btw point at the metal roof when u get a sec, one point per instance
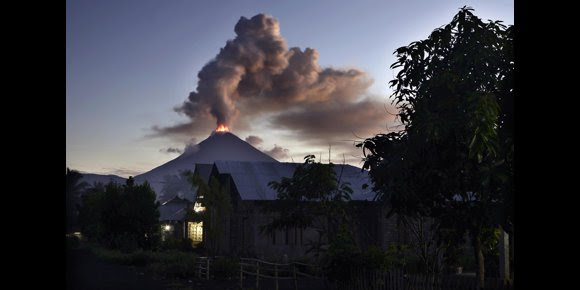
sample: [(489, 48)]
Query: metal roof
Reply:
[(252, 178), (173, 209), (204, 171)]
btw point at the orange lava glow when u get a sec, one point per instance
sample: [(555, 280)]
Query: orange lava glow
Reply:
[(222, 128)]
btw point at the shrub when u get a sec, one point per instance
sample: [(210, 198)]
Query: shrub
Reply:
[(225, 267), (72, 241), (173, 243)]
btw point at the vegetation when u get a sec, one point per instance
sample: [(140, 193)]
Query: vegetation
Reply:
[(168, 264), (121, 217), (453, 161), (315, 197), (217, 201), (74, 189)]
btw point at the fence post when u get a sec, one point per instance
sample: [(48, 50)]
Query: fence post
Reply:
[(241, 274), (276, 274), (294, 274), (257, 275), (198, 268), (207, 269)]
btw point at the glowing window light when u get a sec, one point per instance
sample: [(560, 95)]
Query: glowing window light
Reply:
[(198, 208)]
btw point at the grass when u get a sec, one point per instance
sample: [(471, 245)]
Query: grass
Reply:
[(167, 264)]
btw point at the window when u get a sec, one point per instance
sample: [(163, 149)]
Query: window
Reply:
[(197, 207), (195, 231)]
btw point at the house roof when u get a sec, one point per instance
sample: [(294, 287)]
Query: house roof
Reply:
[(252, 178), (204, 171), (173, 209)]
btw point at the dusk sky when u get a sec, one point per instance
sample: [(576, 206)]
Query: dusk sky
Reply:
[(131, 65)]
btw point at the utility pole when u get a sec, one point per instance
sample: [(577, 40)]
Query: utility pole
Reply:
[(329, 146)]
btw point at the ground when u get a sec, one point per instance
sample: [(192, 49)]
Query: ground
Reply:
[(85, 271)]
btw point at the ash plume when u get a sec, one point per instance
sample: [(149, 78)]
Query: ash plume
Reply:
[(257, 73)]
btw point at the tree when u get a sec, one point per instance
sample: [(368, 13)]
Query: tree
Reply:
[(215, 197), (314, 197), (123, 217), (74, 189), (453, 160)]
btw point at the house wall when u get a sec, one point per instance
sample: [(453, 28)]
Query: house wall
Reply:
[(243, 235)]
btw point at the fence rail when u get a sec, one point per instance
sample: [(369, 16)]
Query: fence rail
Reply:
[(276, 271), (397, 280)]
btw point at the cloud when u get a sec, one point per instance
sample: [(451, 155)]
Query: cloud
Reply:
[(122, 171), (170, 150), (254, 140), (278, 152), (331, 122)]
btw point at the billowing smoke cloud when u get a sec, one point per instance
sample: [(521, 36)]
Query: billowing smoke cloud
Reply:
[(170, 150), (332, 120), (254, 140), (278, 152), (257, 73)]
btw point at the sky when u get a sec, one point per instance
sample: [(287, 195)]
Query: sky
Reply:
[(131, 66)]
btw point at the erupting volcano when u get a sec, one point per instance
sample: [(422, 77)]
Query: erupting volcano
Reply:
[(222, 128), (220, 145)]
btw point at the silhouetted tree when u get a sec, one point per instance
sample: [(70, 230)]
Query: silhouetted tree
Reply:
[(74, 189), (313, 197), (454, 159), (123, 217), (215, 197)]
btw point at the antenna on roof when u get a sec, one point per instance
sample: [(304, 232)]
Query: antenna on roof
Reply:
[(329, 146)]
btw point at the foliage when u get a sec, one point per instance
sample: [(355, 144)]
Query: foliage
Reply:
[(344, 259), (424, 245), (180, 244), (454, 159), (215, 197), (170, 264), (225, 267), (74, 189), (314, 197), (72, 241), (121, 217)]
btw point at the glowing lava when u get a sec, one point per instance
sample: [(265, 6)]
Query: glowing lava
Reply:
[(222, 128)]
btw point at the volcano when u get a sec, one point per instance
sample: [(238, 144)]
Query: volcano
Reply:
[(166, 179)]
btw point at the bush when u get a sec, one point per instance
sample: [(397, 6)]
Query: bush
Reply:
[(173, 243), (342, 264), (225, 267), (72, 241), (173, 264)]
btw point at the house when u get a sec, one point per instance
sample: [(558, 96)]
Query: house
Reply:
[(246, 184)]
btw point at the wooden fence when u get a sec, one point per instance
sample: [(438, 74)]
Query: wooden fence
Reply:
[(202, 267), (397, 280), (276, 271)]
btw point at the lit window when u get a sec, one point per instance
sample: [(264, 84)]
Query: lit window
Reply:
[(195, 232), (198, 208)]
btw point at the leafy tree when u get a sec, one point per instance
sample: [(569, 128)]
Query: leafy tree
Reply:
[(74, 189), (454, 158), (215, 197), (124, 217), (314, 197)]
